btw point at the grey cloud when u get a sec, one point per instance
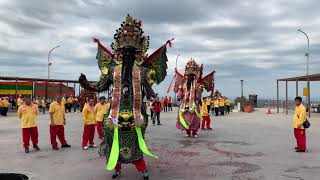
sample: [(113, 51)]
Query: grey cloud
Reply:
[(254, 40)]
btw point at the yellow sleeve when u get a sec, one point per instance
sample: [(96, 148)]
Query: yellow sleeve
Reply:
[(95, 109), (51, 109), (302, 115), (19, 113), (84, 115)]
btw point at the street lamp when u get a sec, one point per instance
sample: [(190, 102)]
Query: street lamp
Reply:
[(308, 81), (241, 95), (49, 64)]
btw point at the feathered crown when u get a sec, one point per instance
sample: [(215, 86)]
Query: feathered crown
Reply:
[(130, 34), (192, 67)]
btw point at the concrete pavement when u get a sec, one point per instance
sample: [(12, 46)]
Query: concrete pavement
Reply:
[(253, 146)]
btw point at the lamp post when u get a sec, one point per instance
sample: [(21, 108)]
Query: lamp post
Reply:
[(49, 64), (308, 80), (241, 95)]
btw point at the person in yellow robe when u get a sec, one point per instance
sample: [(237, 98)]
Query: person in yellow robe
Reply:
[(88, 117), (99, 110), (228, 103), (57, 123), (298, 119), (208, 103), (5, 106), (216, 106), (69, 103), (27, 114), (221, 105), (43, 105)]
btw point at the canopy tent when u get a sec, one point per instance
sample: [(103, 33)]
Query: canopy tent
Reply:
[(307, 78)]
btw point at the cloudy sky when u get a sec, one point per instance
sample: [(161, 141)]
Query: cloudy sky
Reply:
[(245, 39)]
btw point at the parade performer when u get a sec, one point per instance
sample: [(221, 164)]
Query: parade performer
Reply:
[(100, 109), (27, 113), (189, 88), (130, 73), (57, 123), (88, 117), (205, 115)]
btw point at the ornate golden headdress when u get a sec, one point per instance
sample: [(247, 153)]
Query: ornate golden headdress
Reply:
[(192, 68), (130, 34)]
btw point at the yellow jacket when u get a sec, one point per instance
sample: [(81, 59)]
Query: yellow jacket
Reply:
[(57, 111), (221, 102), (28, 116), (100, 110), (216, 103), (204, 109), (5, 103), (299, 116), (88, 116)]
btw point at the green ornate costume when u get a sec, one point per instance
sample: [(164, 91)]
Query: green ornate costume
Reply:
[(129, 74)]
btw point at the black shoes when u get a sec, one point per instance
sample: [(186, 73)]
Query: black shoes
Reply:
[(296, 148), (159, 124), (115, 175), (203, 129), (66, 146), (209, 128), (36, 147), (55, 148), (26, 150), (300, 150)]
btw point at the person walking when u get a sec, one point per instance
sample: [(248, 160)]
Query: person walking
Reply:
[(205, 115), (166, 102), (43, 105), (157, 108), (298, 120), (170, 101), (221, 105), (216, 106), (228, 103), (150, 106), (27, 114), (5, 106)]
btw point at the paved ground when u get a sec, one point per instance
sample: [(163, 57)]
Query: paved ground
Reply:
[(242, 146)]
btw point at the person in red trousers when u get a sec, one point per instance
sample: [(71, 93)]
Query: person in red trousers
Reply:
[(140, 165), (298, 120), (89, 125), (57, 123), (99, 110), (27, 113), (205, 115)]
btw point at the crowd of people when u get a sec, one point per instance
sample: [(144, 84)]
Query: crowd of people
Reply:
[(92, 115), (218, 105), (157, 105)]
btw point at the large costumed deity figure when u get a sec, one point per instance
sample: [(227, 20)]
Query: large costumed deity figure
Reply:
[(189, 88), (129, 74)]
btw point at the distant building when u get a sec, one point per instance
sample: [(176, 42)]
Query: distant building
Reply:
[(9, 88)]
